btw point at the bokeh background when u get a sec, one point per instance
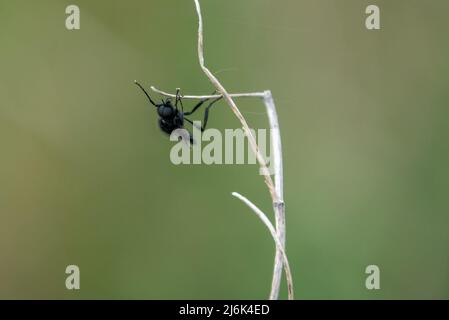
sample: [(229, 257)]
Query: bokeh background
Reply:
[(85, 176)]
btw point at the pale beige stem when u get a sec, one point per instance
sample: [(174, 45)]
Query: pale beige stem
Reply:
[(276, 190)]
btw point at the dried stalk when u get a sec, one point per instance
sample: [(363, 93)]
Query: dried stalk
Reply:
[(231, 103), (276, 192), (278, 205), (214, 96), (274, 234), (276, 188)]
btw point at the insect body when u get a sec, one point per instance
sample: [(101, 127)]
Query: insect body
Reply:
[(171, 118)]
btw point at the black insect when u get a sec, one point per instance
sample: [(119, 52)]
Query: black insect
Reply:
[(171, 118)]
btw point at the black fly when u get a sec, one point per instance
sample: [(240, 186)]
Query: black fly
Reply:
[(171, 118)]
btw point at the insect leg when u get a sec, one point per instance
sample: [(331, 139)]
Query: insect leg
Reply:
[(206, 113), (146, 93), (195, 107), (198, 105), (178, 98), (194, 125)]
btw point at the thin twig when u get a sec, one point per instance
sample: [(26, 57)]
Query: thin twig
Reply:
[(276, 191), (276, 188), (278, 206), (231, 103), (274, 234), (233, 95)]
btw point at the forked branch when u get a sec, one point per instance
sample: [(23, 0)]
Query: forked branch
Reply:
[(275, 188), (277, 241), (275, 191)]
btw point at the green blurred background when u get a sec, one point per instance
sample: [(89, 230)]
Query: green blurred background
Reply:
[(85, 176)]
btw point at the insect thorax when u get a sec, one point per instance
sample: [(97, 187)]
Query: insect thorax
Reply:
[(166, 111)]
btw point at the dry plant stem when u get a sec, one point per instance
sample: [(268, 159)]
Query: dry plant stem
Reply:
[(275, 189), (278, 207), (232, 95), (231, 103), (275, 236), (276, 192)]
